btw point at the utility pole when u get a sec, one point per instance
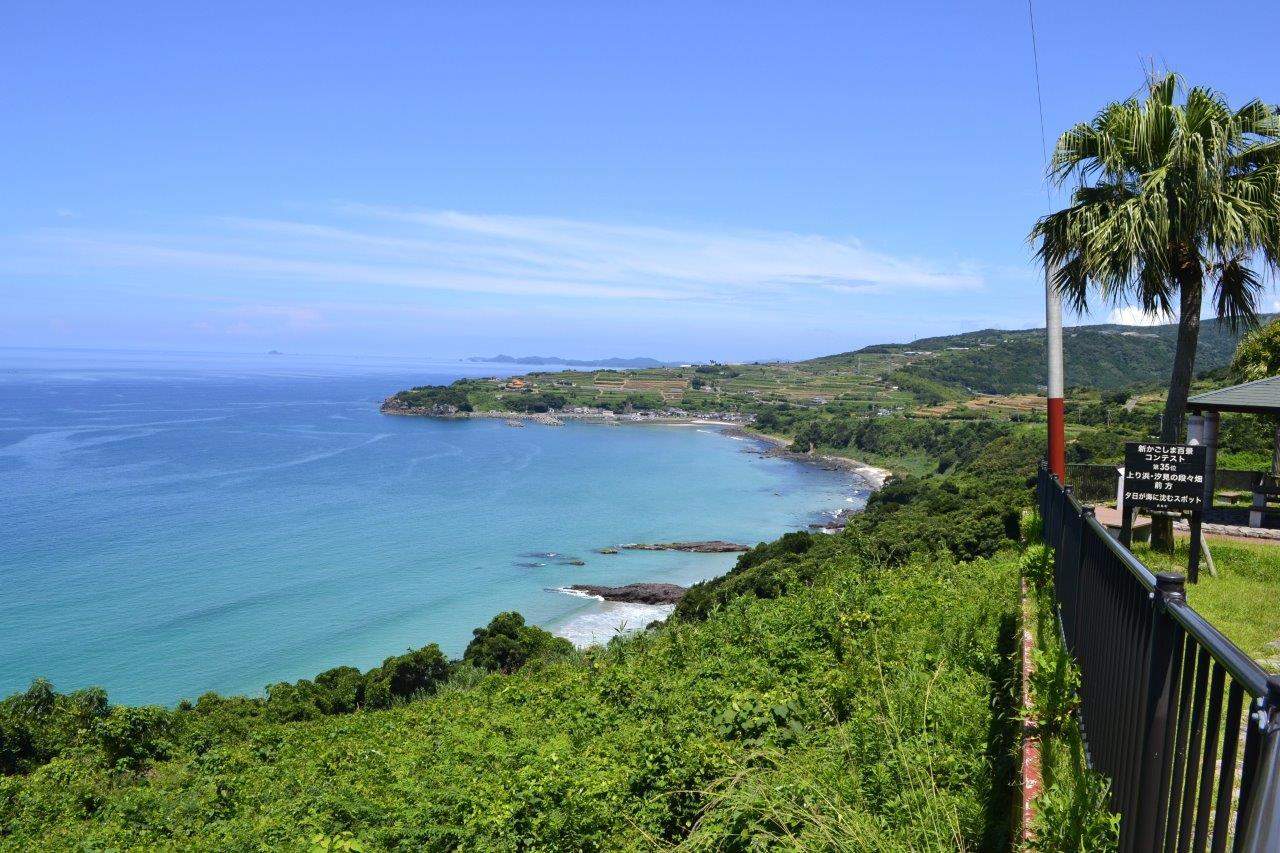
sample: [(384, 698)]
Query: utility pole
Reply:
[(1053, 329)]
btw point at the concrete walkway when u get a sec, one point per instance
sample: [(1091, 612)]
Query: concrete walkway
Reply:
[(1236, 530)]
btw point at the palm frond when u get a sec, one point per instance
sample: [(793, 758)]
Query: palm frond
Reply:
[(1165, 190), (1236, 292)]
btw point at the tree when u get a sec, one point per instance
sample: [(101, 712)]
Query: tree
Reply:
[(402, 676), (507, 644), (1170, 198), (1258, 355)]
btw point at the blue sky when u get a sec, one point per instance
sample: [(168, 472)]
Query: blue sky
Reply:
[(679, 180)]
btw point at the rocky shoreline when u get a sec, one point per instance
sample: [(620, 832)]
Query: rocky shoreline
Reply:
[(635, 593), (711, 546), (780, 449), (393, 406)]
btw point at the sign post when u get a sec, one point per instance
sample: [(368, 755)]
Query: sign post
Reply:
[(1166, 478)]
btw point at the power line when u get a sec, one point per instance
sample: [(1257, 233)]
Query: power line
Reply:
[(1044, 145), (1054, 403)]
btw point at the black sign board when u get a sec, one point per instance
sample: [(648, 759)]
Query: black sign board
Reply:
[(1164, 476)]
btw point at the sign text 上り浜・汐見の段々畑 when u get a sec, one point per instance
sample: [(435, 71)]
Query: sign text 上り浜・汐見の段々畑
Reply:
[(1164, 476)]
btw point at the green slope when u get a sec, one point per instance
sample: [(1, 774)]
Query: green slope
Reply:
[(861, 713), (1107, 356)]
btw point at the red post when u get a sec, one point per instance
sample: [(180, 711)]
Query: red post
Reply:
[(1057, 439), (1053, 334)]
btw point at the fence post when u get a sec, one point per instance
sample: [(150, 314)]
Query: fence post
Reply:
[(1042, 500), (1262, 824), (1086, 513), (1067, 490), (1153, 760)]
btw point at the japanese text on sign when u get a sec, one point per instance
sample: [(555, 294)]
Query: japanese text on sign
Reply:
[(1164, 476)]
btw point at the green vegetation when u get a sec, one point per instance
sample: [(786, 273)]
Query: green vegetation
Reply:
[(1072, 811), (885, 378), (1240, 601), (508, 644), (866, 707), (428, 396), (1099, 357), (41, 725), (1258, 355)]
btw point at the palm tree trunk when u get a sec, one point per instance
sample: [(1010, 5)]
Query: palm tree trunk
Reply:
[(1190, 293), (1184, 362)]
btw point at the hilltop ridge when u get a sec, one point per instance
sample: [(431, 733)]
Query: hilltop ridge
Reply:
[(638, 362), (1105, 356)]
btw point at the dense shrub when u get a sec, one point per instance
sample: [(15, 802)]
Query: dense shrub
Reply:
[(427, 396), (507, 644)]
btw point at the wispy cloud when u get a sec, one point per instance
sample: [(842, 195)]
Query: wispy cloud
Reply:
[(490, 254), (1132, 315)]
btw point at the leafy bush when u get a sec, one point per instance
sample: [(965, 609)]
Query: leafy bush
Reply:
[(508, 644), (1076, 819), (1055, 684), (1037, 566), (404, 676)]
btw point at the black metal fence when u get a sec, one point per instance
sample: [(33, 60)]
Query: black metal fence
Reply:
[(1184, 724)]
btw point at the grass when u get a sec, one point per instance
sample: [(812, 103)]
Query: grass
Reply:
[(1241, 600)]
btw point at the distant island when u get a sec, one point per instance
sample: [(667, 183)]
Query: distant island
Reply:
[(574, 362)]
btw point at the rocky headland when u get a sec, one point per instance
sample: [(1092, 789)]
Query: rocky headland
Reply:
[(635, 593)]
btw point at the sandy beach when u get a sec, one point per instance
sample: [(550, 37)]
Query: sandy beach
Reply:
[(875, 477)]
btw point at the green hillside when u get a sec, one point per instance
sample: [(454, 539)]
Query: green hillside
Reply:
[(858, 708), (1102, 357)]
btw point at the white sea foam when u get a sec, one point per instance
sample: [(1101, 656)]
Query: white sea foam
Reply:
[(578, 593), (599, 623)]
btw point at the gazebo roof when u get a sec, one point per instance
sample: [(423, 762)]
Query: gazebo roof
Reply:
[(1260, 398)]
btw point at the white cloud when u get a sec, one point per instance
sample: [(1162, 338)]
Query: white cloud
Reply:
[(527, 256), (1132, 315)]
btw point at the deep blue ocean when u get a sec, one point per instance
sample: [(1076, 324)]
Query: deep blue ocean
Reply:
[(176, 523)]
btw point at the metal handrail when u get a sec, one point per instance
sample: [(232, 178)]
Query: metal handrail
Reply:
[(1144, 575), (1242, 668), (1158, 713)]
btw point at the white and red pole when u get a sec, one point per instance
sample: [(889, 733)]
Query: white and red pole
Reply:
[(1057, 421)]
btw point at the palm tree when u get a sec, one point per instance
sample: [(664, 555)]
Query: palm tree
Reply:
[(1169, 198)]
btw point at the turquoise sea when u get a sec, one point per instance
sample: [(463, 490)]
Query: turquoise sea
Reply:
[(177, 523)]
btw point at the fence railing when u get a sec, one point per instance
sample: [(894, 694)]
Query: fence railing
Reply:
[(1184, 724)]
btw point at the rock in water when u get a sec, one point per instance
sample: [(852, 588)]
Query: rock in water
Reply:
[(711, 546), (636, 593)]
